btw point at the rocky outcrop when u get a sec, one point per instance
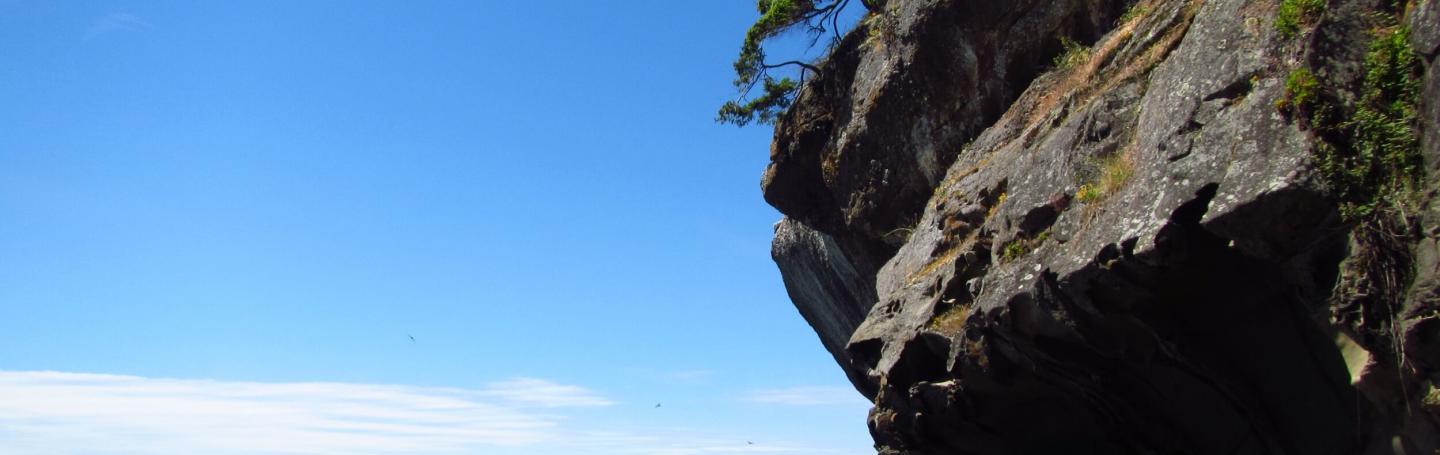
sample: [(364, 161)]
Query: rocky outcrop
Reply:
[(1136, 251), (824, 285), (859, 155)]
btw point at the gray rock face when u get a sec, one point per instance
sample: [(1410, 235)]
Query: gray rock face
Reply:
[(823, 284), (1135, 254), (844, 163)]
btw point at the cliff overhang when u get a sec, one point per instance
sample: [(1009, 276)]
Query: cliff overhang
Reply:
[(1105, 227)]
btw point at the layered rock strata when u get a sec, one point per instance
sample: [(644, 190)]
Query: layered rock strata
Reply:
[(1132, 248)]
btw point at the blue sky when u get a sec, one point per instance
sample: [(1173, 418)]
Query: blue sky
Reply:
[(223, 220)]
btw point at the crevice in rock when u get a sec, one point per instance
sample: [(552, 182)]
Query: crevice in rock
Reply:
[(1187, 312), (865, 356), (1153, 355), (923, 360), (1239, 88)]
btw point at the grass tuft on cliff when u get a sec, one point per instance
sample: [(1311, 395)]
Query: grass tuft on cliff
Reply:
[(1113, 171), (1296, 13), (1072, 54), (1021, 246), (1302, 90), (1382, 166)]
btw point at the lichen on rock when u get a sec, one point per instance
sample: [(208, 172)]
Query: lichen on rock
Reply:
[(1138, 251)]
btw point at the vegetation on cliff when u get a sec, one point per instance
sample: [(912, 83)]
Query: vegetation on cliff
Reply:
[(1215, 246), (1370, 151), (752, 69)]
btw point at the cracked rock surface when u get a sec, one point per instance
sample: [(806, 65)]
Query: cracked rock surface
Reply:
[(1133, 254)]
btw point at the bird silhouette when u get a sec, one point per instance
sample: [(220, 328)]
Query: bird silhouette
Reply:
[(412, 338), (748, 443), (657, 405)]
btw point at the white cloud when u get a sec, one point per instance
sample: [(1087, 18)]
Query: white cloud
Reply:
[(50, 412), (621, 443), (55, 413), (808, 396), (542, 393), (115, 22)]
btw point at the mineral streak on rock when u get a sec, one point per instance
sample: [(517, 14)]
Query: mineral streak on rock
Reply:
[(1137, 253)]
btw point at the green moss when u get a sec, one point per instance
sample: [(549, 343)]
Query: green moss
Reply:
[(1381, 165), (1012, 250), (1134, 12), (1302, 90), (1296, 13), (879, 28), (1072, 54), (1022, 245)]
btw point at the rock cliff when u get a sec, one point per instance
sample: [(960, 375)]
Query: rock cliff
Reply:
[(1106, 226)]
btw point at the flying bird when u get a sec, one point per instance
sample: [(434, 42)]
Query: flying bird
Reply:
[(657, 405), (412, 337)]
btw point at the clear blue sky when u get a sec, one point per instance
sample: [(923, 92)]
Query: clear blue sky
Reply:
[(242, 209)]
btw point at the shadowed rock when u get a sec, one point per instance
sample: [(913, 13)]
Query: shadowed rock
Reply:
[(1135, 254)]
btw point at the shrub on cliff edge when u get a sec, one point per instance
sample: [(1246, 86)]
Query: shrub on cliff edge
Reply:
[(752, 69)]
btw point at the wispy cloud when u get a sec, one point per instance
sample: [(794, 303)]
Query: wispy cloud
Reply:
[(808, 396), (621, 443), (543, 393), (55, 413), (50, 412), (115, 22)]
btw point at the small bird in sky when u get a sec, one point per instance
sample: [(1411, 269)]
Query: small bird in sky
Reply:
[(412, 337), (657, 405), (748, 443)]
